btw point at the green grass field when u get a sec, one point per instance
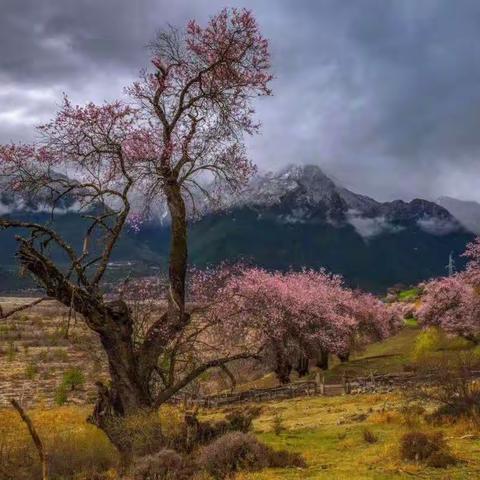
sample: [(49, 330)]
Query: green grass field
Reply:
[(327, 431), (323, 430)]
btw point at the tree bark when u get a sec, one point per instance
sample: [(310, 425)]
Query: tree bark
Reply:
[(283, 368), (178, 251), (302, 367), (129, 392), (322, 360)]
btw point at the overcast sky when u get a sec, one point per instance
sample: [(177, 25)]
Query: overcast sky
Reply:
[(384, 95)]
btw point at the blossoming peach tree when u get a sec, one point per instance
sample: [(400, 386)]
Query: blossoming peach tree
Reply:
[(293, 318), (453, 303), (189, 114)]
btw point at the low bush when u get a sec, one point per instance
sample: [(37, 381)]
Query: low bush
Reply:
[(73, 378), (195, 432), (61, 395), (369, 436), (285, 459), (428, 448), (451, 386), (237, 451), (241, 419), (428, 341), (419, 446), (163, 465), (278, 426), (142, 432), (441, 459), (412, 414)]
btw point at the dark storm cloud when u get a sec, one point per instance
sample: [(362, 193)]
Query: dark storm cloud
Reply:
[(384, 94)]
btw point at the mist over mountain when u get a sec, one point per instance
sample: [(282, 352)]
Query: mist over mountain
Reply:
[(294, 218), (306, 194), (467, 212)]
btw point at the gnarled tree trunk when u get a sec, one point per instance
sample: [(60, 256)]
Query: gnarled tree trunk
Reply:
[(128, 393)]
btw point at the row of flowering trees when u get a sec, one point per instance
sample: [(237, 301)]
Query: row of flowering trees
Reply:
[(453, 303), (293, 318)]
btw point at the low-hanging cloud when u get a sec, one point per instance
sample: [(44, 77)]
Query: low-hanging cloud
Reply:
[(382, 94), (19, 205), (369, 227), (438, 226)]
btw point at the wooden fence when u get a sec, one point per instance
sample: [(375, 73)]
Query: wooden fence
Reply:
[(348, 385)]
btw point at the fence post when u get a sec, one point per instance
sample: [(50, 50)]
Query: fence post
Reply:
[(346, 384)]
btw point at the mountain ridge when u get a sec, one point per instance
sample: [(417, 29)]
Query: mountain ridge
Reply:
[(295, 218), (306, 188)]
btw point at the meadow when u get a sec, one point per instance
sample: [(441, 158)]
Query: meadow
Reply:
[(328, 431), (340, 437)]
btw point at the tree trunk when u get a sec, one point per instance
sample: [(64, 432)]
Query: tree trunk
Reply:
[(128, 393), (283, 369), (322, 360), (178, 252), (344, 357), (302, 367)]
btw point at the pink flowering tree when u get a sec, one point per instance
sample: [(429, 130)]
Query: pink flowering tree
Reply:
[(374, 321), (186, 125), (295, 317), (452, 304)]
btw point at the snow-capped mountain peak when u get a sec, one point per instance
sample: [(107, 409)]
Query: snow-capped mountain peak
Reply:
[(304, 193)]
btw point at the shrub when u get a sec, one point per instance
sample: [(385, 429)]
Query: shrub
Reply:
[(411, 414), (441, 459), (61, 395), (197, 433), (59, 355), (278, 426), (284, 459), (142, 432), (451, 386), (429, 448), (73, 378), (369, 436), (164, 465), (241, 420), (237, 451), (427, 342)]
